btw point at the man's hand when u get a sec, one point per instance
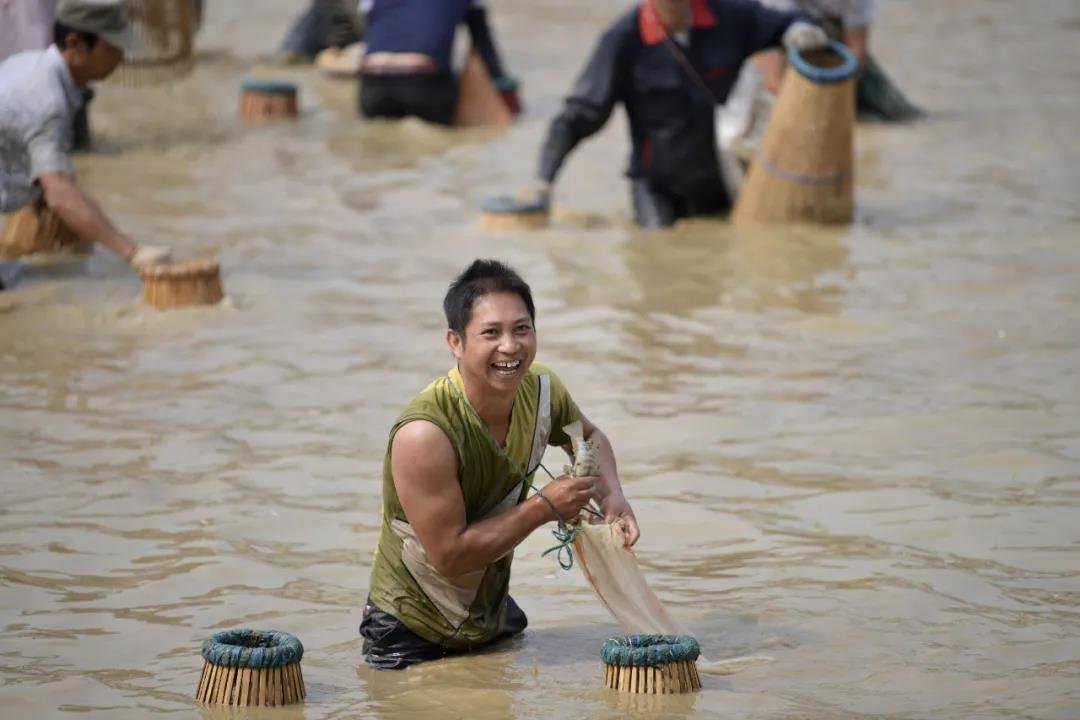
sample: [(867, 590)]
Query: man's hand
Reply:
[(150, 255), (617, 510), (804, 36), (569, 494)]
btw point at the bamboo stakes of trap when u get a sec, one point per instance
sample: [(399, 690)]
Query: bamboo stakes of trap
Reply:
[(196, 282), (37, 229), (251, 668), (263, 101), (164, 32), (667, 679), (804, 170)]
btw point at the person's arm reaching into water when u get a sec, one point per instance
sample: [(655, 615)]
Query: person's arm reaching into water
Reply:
[(424, 466), (85, 218), (585, 111)]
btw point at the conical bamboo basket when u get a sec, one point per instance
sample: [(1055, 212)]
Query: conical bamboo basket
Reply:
[(36, 229), (164, 33), (669, 679), (196, 282), (804, 171), (263, 101), (269, 686)]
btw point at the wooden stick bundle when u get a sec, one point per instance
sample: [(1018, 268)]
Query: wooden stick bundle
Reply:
[(668, 679), (269, 686)]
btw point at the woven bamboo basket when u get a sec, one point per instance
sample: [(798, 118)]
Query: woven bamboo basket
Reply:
[(479, 102), (164, 33), (36, 229), (197, 282), (651, 664), (804, 170), (251, 667), (263, 101)]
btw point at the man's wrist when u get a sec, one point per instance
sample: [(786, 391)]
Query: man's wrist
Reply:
[(554, 511)]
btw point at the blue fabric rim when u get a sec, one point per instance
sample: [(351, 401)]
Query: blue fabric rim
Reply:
[(274, 87), (649, 650), (822, 75), (252, 648)]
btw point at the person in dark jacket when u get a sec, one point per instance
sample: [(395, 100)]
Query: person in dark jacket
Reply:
[(407, 63), (670, 63)]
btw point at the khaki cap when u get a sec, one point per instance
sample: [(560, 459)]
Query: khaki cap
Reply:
[(105, 18)]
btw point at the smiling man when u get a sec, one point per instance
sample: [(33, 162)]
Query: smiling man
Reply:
[(456, 478)]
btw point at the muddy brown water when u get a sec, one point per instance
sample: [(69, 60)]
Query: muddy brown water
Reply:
[(854, 451)]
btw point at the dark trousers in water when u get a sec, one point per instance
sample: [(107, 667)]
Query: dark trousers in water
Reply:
[(655, 207), (389, 645), (428, 96)]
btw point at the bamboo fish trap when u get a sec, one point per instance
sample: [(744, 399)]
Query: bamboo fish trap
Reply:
[(164, 32), (651, 664), (804, 170), (264, 101), (251, 667), (37, 229), (196, 282)]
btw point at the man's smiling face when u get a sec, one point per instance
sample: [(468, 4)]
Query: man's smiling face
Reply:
[(499, 344)]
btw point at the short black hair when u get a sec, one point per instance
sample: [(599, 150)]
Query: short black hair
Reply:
[(61, 31), (482, 278)]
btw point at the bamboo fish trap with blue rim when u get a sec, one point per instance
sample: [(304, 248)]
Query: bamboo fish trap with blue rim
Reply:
[(164, 32), (251, 667), (651, 664), (804, 170)]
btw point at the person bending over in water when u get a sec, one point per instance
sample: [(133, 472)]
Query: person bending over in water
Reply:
[(456, 476), (40, 92), (670, 63), (406, 69)]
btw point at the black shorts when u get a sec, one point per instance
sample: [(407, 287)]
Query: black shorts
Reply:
[(428, 96), (389, 645)]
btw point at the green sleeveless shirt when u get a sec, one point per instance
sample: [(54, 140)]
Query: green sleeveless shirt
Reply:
[(466, 611)]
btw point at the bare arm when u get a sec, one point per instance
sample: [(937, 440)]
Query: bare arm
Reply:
[(609, 491), (425, 477), (82, 214), (770, 63)]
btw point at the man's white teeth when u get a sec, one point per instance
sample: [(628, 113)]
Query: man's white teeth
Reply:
[(507, 365)]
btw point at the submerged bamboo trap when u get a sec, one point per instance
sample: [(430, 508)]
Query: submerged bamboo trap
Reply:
[(804, 170), (37, 229), (164, 32), (651, 664), (251, 667), (196, 282), (267, 101)]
